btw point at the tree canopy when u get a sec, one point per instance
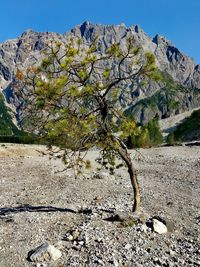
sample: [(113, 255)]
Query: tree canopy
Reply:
[(72, 99)]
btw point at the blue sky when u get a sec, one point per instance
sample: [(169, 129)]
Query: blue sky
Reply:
[(178, 20)]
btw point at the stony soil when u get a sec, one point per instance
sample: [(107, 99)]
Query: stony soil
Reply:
[(39, 204)]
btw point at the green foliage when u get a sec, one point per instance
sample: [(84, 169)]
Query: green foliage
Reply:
[(74, 97), (106, 73), (22, 139), (128, 127), (114, 50), (9, 132), (164, 101), (72, 101), (148, 136), (171, 139), (129, 223), (140, 140), (155, 135), (7, 127), (188, 130)]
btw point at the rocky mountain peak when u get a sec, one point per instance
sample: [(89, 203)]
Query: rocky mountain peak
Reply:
[(161, 40), (25, 51), (107, 33), (28, 32)]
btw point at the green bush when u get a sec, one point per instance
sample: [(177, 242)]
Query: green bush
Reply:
[(149, 135), (21, 139), (171, 139), (155, 135)]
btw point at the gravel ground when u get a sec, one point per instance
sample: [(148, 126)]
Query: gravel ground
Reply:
[(39, 204)]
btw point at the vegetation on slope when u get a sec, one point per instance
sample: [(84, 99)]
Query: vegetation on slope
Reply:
[(7, 127), (172, 99), (188, 130), (9, 132)]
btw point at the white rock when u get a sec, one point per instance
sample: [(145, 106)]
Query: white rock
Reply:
[(115, 261), (103, 175), (172, 253), (128, 246), (61, 244), (159, 227), (45, 252), (144, 228), (70, 238)]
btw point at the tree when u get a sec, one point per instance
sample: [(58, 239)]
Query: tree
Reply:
[(155, 135), (72, 98), (171, 139), (139, 140), (148, 135)]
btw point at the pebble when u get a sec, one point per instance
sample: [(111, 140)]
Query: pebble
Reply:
[(128, 246)]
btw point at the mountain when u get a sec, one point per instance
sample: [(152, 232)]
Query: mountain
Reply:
[(7, 125), (179, 92)]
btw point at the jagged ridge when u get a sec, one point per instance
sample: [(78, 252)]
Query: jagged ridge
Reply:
[(25, 50)]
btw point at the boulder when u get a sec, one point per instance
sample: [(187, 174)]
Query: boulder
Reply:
[(159, 227), (45, 252)]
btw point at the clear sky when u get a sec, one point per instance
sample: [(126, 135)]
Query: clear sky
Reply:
[(178, 20)]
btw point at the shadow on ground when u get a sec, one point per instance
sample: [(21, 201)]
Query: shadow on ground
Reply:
[(29, 208)]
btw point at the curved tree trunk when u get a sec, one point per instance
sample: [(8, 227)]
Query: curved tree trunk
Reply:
[(133, 176), (135, 185)]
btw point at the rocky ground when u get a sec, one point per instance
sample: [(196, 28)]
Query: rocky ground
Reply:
[(89, 220)]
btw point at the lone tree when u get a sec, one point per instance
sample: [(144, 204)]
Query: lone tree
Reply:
[(72, 99)]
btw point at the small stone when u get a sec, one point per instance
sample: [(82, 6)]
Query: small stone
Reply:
[(98, 240), (128, 246), (159, 227), (70, 238), (144, 228), (45, 252), (75, 234), (171, 252), (115, 261), (97, 198), (103, 175), (61, 244)]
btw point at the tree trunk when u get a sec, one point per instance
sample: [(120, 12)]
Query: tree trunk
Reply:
[(133, 176), (135, 185)]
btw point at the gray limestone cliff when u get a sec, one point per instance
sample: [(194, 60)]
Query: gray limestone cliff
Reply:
[(180, 92)]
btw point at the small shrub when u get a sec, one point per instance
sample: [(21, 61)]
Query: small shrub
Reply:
[(171, 139), (128, 223), (149, 135)]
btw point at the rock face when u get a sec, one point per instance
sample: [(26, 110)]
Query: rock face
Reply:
[(177, 67), (181, 67)]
